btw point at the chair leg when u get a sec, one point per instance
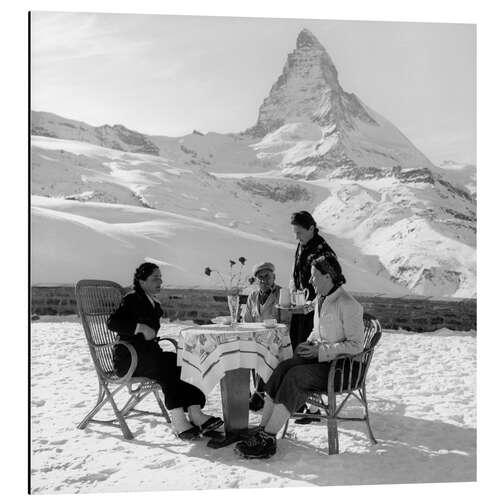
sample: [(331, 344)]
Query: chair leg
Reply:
[(333, 432), (99, 404), (127, 434), (161, 404), (136, 397), (130, 405), (367, 418), (254, 379), (285, 428)]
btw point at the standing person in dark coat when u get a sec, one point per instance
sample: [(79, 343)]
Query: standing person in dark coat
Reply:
[(310, 247), (137, 321)]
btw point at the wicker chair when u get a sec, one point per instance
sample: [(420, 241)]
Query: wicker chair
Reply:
[(352, 385), (96, 300)]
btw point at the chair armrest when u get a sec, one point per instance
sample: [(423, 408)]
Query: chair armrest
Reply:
[(172, 341), (133, 362), (337, 365), (353, 357), (98, 346)]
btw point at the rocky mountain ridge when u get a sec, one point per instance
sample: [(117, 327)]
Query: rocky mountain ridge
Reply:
[(116, 137)]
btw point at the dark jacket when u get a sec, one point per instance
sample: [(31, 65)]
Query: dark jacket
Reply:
[(134, 308), (314, 248)]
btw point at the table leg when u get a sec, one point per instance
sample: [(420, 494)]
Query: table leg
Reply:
[(235, 389)]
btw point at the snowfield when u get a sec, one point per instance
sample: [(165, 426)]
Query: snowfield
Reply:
[(73, 240), (422, 397), (406, 237)]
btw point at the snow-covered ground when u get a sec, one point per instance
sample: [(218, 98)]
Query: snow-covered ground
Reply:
[(422, 397)]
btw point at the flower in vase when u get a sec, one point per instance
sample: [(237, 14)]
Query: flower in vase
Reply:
[(233, 282)]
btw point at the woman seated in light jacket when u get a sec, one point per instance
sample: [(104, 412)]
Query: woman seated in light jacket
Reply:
[(338, 329)]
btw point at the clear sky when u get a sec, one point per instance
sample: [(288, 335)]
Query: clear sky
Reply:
[(168, 75)]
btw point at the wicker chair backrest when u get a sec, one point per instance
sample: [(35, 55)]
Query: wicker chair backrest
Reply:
[(96, 300), (373, 332)]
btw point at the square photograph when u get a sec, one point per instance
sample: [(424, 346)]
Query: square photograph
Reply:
[(252, 252)]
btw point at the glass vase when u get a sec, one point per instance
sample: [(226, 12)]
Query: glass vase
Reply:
[(233, 301)]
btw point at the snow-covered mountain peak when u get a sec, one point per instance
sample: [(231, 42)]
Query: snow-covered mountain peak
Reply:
[(308, 91), (307, 40)]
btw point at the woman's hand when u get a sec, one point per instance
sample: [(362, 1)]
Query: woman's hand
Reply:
[(307, 350), (309, 307), (147, 331)]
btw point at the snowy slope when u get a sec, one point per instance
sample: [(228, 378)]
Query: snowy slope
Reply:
[(74, 240), (116, 136), (62, 168), (369, 215), (462, 174), (215, 152), (423, 234)]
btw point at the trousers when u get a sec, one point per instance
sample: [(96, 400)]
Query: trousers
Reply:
[(162, 367), (293, 379)]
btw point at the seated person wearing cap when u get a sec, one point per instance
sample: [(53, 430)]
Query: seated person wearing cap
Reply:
[(260, 306)]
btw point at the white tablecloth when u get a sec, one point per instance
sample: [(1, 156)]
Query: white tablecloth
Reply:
[(205, 353)]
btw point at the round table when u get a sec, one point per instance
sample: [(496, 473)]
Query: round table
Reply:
[(210, 354)]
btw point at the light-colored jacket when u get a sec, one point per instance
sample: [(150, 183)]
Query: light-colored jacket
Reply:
[(256, 312), (339, 328)]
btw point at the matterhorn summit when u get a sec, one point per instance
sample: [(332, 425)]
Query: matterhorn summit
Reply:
[(307, 102)]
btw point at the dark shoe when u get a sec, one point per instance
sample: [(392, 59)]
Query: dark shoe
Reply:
[(210, 425), (256, 402), (308, 420), (189, 435), (260, 445)]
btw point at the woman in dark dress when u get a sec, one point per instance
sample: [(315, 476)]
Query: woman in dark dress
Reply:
[(137, 321)]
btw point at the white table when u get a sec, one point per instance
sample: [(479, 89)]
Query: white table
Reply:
[(210, 354)]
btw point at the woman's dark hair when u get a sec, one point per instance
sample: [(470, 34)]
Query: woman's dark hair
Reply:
[(143, 272), (303, 219), (328, 264)]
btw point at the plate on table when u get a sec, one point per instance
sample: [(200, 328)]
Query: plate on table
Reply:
[(221, 320)]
